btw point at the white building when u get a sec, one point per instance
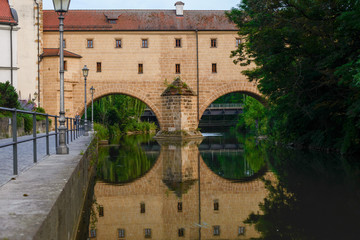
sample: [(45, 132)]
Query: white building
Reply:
[(29, 46), (8, 44)]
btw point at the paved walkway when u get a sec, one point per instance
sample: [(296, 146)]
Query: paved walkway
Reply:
[(25, 155)]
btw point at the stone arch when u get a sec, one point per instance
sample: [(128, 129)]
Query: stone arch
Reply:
[(241, 86), (105, 90)]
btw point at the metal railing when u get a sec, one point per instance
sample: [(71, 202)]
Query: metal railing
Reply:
[(225, 105), (75, 129)]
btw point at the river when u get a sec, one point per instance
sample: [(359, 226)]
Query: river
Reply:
[(225, 186)]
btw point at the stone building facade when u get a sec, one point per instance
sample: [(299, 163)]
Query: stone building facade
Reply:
[(136, 52)]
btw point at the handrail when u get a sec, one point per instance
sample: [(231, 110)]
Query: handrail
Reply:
[(76, 130)]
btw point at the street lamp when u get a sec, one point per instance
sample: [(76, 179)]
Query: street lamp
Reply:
[(61, 7), (85, 71), (92, 90)]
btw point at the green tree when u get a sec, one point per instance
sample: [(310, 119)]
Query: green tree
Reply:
[(307, 60), (8, 96)]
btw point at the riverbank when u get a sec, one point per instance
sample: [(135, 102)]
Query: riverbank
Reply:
[(46, 201)]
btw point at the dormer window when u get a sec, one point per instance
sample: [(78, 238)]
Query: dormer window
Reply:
[(111, 17)]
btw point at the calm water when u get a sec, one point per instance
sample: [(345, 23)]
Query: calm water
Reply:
[(227, 186)]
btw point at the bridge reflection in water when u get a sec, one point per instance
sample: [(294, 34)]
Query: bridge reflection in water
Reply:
[(179, 197)]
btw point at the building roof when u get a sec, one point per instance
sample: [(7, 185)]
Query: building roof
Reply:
[(5, 13), (139, 20), (53, 52)]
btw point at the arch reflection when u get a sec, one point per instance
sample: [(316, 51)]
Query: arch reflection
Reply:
[(177, 196)]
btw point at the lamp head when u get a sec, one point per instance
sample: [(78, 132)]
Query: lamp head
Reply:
[(85, 71), (61, 6), (92, 90)]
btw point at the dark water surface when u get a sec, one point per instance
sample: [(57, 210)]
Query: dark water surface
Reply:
[(225, 186)]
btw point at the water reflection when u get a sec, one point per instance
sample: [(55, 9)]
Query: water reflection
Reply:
[(178, 195)]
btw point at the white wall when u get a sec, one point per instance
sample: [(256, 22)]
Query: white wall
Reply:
[(5, 60), (27, 47)]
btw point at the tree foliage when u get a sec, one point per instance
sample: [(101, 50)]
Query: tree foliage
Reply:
[(8, 96), (120, 112), (307, 56)]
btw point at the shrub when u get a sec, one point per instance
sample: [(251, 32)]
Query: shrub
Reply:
[(8, 96)]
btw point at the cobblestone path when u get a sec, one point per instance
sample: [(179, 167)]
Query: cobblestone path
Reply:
[(25, 155)]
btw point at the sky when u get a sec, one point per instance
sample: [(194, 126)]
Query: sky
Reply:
[(148, 4)]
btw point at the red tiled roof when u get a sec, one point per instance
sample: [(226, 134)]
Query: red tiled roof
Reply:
[(5, 13), (139, 20), (52, 52)]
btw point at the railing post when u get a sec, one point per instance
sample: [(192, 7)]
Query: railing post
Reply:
[(47, 135), (71, 129), (56, 132), (34, 140), (14, 133), (67, 130)]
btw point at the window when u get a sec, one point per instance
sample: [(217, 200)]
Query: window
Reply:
[(178, 42), (65, 65), (241, 231), (145, 43), (92, 233), (121, 233), (98, 67), (90, 43), (216, 205), (177, 68), (64, 43), (118, 43), (179, 206), (238, 42), (140, 71), (213, 43), (112, 21), (181, 232), (216, 230), (147, 233), (214, 70), (101, 211)]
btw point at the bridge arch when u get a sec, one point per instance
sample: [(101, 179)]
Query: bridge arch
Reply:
[(106, 90), (247, 88)]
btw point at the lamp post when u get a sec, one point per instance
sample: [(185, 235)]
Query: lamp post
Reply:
[(61, 7), (92, 90), (85, 71)]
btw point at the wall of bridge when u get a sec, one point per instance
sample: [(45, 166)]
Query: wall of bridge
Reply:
[(119, 73)]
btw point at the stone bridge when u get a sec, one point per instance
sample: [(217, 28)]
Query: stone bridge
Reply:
[(138, 61)]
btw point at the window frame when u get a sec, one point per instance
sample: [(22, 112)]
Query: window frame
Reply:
[(180, 206), (98, 67), (177, 68), (147, 232), (122, 236), (101, 210), (117, 41), (216, 205), (141, 70), (92, 233), (238, 42), (64, 43), (89, 41), (241, 231), (216, 230), (178, 40), (146, 41), (181, 232), (213, 43), (214, 68)]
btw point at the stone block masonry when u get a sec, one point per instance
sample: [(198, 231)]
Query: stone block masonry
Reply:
[(46, 201)]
